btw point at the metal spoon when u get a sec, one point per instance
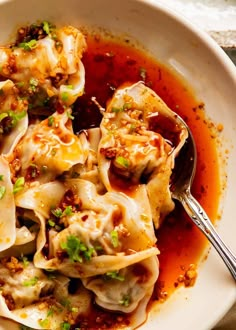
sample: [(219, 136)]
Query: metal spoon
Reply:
[(182, 178)]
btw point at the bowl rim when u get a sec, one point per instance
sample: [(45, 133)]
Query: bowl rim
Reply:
[(211, 45)]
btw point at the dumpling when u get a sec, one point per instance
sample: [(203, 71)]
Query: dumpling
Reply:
[(49, 148), (134, 147), (46, 58), (106, 232), (124, 289), (38, 299)]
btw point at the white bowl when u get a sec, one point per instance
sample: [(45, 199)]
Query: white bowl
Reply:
[(178, 44)]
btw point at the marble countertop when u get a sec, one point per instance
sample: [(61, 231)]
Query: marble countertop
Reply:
[(216, 17)]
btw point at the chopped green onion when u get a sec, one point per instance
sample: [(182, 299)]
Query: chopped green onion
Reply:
[(65, 326), (1, 177), (25, 261), (31, 282), (33, 82), (2, 191), (125, 301), (18, 185), (32, 44), (116, 110), (114, 238), (69, 115), (50, 312), (68, 210), (64, 96), (57, 212), (76, 249), (75, 309), (127, 106), (51, 120), (122, 161), (114, 275), (51, 223), (44, 323), (46, 27), (15, 116)]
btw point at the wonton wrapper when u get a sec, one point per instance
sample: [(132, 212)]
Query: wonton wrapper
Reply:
[(41, 198)]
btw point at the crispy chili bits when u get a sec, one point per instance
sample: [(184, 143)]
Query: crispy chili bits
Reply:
[(12, 264), (71, 199)]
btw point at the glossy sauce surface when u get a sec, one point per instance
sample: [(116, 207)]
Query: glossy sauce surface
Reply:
[(108, 65)]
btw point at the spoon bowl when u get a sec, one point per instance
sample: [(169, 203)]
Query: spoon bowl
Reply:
[(181, 182)]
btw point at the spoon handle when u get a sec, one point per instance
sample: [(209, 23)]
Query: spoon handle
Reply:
[(200, 218)]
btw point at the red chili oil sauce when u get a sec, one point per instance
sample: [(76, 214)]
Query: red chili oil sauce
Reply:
[(109, 64)]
